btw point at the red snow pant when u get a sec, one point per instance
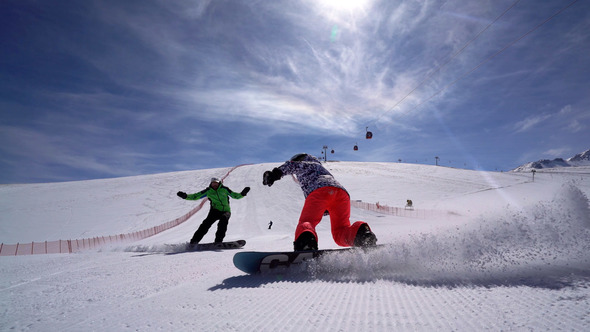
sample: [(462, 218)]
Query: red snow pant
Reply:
[(337, 202)]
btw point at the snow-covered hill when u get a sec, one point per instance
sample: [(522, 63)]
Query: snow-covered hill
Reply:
[(581, 159), (505, 253)]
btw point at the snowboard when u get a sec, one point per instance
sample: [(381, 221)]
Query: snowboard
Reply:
[(253, 262), (218, 245), (184, 247)]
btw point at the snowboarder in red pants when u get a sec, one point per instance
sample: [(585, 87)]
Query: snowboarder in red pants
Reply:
[(322, 194)]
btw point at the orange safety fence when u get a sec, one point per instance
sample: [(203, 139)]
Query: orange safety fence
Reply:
[(71, 246), (408, 212)]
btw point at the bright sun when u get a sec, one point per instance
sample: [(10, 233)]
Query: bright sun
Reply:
[(344, 5)]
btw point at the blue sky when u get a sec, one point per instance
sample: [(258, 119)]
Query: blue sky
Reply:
[(100, 89)]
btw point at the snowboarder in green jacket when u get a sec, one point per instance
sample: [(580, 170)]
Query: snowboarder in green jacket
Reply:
[(218, 195)]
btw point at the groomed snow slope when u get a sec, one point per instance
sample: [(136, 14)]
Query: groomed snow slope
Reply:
[(505, 253)]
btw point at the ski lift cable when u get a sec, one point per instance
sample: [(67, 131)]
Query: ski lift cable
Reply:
[(477, 66), (439, 68), (490, 57)]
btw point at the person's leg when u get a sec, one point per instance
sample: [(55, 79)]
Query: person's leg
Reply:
[(222, 226), (312, 212), (339, 208), (205, 225)]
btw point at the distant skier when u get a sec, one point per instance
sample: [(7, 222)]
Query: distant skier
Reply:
[(270, 224), (322, 194), (218, 195)]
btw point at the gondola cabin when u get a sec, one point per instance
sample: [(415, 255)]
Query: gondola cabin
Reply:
[(356, 147), (369, 134)]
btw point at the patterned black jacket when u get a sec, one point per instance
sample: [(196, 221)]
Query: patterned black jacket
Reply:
[(310, 173)]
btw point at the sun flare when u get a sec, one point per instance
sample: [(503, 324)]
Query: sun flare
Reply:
[(344, 5)]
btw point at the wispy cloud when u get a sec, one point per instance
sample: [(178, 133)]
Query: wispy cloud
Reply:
[(113, 88), (566, 119), (557, 153), (530, 122), (54, 150)]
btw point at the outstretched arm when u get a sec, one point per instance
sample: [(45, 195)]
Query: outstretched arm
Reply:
[(239, 195), (192, 197), (269, 177)]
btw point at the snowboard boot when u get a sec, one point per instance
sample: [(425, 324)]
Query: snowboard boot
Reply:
[(364, 237), (305, 241)]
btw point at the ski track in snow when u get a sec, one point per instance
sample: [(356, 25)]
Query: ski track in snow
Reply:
[(523, 266)]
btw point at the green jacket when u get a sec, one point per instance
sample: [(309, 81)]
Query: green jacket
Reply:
[(219, 198)]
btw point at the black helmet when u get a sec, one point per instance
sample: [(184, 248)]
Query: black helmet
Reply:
[(299, 157)]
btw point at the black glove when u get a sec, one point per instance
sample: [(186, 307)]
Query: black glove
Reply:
[(245, 191), (181, 194), (268, 178)]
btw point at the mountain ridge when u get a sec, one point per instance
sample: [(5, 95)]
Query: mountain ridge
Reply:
[(580, 159)]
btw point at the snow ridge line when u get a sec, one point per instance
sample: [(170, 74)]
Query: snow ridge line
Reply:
[(71, 246)]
